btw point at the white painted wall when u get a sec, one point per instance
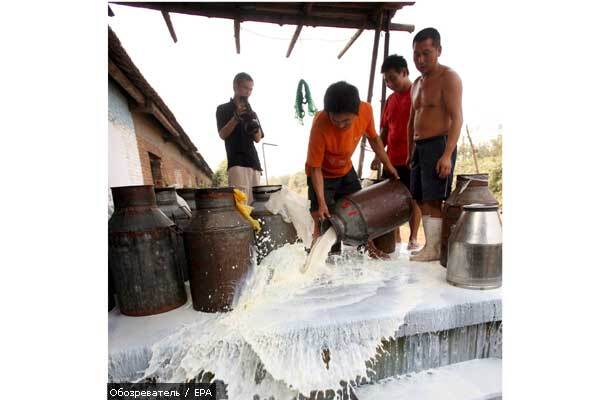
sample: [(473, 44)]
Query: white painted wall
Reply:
[(124, 166)]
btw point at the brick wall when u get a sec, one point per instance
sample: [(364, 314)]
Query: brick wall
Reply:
[(176, 168)]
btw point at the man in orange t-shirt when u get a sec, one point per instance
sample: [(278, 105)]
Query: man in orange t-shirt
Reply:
[(334, 135)]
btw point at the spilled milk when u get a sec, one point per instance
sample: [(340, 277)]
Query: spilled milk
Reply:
[(297, 325), (320, 249)]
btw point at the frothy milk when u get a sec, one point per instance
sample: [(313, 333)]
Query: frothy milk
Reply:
[(320, 250)]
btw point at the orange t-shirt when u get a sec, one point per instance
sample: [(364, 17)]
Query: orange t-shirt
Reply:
[(331, 148)]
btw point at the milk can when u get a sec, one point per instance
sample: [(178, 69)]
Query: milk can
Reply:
[(142, 257), (275, 232), (475, 248), (386, 242), (218, 245), (189, 195), (470, 189), (371, 212), (166, 199)]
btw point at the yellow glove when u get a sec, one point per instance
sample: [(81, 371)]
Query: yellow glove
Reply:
[(244, 209)]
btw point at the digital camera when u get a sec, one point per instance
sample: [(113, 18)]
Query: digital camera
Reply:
[(248, 118)]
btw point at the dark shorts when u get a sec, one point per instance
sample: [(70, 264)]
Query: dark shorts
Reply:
[(425, 184), (334, 189), (404, 173)]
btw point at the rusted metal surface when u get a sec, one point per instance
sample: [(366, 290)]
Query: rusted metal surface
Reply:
[(387, 241), (470, 189), (218, 245), (189, 195), (275, 232), (142, 256), (371, 212), (167, 202)]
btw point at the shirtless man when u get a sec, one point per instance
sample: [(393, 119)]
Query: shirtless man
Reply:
[(433, 130)]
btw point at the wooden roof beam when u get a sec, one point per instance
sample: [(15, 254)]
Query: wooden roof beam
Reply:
[(293, 42), (350, 42), (306, 9), (236, 33), (207, 10), (167, 18), (402, 27), (118, 75)]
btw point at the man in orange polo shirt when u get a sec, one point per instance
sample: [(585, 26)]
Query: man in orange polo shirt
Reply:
[(334, 135)]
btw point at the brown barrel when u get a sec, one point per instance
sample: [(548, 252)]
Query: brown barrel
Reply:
[(218, 245), (470, 189), (189, 195), (371, 212), (166, 199), (142, 257), (275, 232)]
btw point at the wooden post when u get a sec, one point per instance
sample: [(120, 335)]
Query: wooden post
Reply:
[(386, 50), (236, 32), (370, 93), (294, 39), (167, 18), (472, 149), (350, 42)]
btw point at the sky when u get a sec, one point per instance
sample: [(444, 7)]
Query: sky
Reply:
[(194, 75)]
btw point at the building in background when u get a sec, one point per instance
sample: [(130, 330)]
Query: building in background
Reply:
[(146, 144)]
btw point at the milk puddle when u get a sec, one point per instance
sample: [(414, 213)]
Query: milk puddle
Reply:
[(298, 325)]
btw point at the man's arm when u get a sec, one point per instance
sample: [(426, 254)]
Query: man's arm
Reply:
[(411, 134), (377, 146), (383, 136), (228, 128), (316, 177), (452, 98), (258, 135)]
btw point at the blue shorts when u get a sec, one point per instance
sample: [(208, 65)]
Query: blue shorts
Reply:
[(425, 183)]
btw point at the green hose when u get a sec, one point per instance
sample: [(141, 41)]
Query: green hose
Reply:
[(301, 99)]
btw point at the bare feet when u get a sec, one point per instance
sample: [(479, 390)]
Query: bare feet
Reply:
[(412, 245), (374, 252)]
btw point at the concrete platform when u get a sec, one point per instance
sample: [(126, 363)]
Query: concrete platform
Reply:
[(348, 310), (470, 380)]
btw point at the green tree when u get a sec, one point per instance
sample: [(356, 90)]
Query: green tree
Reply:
[(219, 178)]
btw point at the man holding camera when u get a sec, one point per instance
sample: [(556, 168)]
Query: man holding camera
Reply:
[(240, 128)]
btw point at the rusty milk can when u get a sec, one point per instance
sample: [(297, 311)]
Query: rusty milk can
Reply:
[(218, 245), (387, 241), (142, 256), (275, 232), (371, 212), (470, 189), (167, 202), (189, 195)]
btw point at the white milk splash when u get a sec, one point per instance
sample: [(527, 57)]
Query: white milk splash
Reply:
[(320, 249), (272, 343)]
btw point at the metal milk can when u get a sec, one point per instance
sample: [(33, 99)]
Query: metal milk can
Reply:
[(475, 248), (275, 232), (142, 257), (470, 189), (218, 245), (371, 212)]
